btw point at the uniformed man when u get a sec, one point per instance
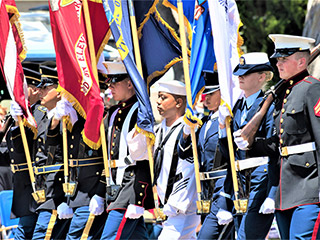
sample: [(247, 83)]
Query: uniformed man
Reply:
[(131, 181), (23, 204), (255, 182), (297, 119)]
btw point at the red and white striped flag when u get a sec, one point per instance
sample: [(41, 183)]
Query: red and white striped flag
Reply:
[(11, 67)]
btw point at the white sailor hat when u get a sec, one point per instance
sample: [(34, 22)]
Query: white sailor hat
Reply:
[(173, 87), (252, 62), (116, 71), (286, 45)]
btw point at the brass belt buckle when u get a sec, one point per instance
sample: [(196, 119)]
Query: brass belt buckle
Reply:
[(113, 164), (13, 169), (284, 151)]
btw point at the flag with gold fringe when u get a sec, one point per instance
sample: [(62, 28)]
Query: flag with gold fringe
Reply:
[(159, 44), (76, 78), (118, 18), (11, 68), (226, 22)]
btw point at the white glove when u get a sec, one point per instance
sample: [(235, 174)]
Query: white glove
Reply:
[(170, 211), (134, 211), (96, 205), (223, 113), (15, 110), (239, 141), (137, 145), (64, 108), (268, 206), (64, 211), (186, 129), (224, 217)]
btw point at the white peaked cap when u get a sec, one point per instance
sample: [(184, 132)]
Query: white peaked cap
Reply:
[(254, 58), (115, 68), (290, 41), (173, 87)]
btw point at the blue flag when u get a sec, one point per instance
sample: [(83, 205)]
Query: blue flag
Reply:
[(202, 55), (159, 44), (118, 18)]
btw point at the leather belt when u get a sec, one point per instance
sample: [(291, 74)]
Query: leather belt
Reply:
[(301, 148), (85, 162), (251, 163), (19, 167), (213, 174), (48, 169)]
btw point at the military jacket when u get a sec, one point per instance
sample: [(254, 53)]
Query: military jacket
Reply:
[(297, 118)]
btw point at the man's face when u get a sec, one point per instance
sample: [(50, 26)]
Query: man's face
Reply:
[(166, 104), (119, 90), (33, 94), (49, 96), (287, 66), (212, 100)]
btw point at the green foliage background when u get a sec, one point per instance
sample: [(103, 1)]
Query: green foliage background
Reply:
[(263, 17)]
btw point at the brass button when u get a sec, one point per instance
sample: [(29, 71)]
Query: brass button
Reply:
[(142, 186), (72, 137), (114, 135), (285, 100), (12, 160), (39, 139), (307, 164), (265, 170), (11, 138), (60, 179), (111, 152), (139, 202), (281, 141), (120, 111), (293, 111), (123, 104), (117, 127), (97, 173), (281, 130), (291, 82), (274, 114), (71, 146), (131, 174), (288, 91), (113, 144), (141, 194), (283, 110), (37, 159), (119, 119), (11, 149), (70, 155), (39, 150), (281, 120)]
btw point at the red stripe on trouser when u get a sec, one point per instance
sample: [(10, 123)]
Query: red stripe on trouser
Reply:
[(123, 222), (316, 228)]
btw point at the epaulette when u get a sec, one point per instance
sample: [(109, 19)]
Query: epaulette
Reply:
[(42, 109)]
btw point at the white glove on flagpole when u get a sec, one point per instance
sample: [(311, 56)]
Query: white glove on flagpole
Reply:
[(186, 129), (64, 108), (223, 113), (15, 110), (96, 205), (239, 141), (134, 211), (170, 211), (137, 145), (268, 206), (64, 211), (224, 217)]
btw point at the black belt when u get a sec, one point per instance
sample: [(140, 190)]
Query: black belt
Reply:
[(85, 162)]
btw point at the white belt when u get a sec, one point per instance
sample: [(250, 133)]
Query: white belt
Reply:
[(119, 164), (301, 148), (251, 163)]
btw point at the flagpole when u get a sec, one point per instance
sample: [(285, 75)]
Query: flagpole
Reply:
[(102, 129), (38, 195), (159, 214), (189, 99)]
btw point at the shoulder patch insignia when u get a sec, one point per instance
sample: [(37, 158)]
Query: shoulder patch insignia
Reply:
[(317, 108)]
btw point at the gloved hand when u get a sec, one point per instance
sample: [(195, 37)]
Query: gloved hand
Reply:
[(64, 108), (64, 211), (268, 206), (224, 217), (186, 129), (15, 110), (223, 113), (239, 141), (170, 211), (134, 211), (96, 205), (137, 146)]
